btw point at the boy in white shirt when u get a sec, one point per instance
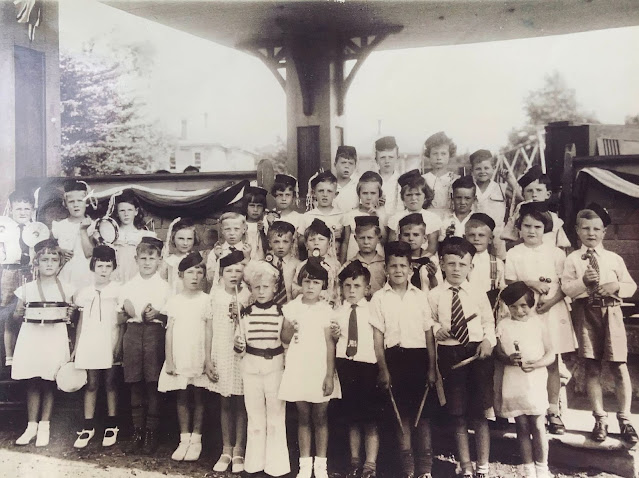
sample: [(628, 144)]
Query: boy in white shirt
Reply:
[(345, 166)]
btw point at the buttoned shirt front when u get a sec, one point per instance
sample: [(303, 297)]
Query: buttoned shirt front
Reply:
[(473, 301), (365, 342), (480, 277)]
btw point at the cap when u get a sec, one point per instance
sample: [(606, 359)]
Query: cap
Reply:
[(370, 176), (385, 143), (480, 155), (405, 178), (74, 185), (465, 182), (453, 244), (152, 241), (282, 227), (233, 257), (51, 243), (600, 211), (346, 152), (315, 269), (533, 174), (193, 259), (256, 190), (513, 292), (353, 269), (286, 179), (413, 219), (104, 253), (484, 219), (528, 207), (318, 226), (361, 221), (397, 248), (323, 176)]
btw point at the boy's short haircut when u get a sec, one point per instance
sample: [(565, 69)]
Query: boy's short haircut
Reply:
[(464, 182), (314, 270), (231, 215), (283, 182), (457, 246), (479, 219), (148, 245), (538, 211), (439, 139), (323, 177), (370, 177), (397, 249), (318, 227), (103, 253), (599, 211), (353, 270), (258, 270), (482, 155), (347, 152), (515, 291), (21, 195), (185, 223), (280, 228), (386, 143)]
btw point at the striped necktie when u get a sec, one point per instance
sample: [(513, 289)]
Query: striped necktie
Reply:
[(458, 327), (592, 290), (280, 293), (351, 345)]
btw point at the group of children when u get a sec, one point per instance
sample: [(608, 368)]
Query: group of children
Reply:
[(388, 287)]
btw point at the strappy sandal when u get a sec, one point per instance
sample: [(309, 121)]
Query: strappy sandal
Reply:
[(223, 463), (238, 464)]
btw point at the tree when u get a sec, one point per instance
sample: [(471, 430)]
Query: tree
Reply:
[(277, 153), (104, 129), (632, 119)]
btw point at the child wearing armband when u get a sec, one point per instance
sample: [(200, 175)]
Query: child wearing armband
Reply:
[(254, 207), (438, 151), (463, 202), (425, 275), (597, 280), (386, 156), (309, 377), (281, 237), (368, 235), (143, 301), (465, 331), (184, 238), (41, 348), (416, 194), (345, 166)]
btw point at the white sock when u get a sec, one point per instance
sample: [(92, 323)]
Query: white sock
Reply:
[(529, 470), (185, 437), (196, 438), (44, 424)]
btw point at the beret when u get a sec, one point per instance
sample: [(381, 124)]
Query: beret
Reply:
[(193, 259), (233, 257), (366, 221), (385, 143), (483, 218), (600, 211), (405, 178), (513, 292)]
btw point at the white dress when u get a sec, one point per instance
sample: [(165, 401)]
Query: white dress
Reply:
[(188, 314), (41, 349), (526, 264), (523, 393), (76, 270), (305, 367), (125, 246), (99, 332)]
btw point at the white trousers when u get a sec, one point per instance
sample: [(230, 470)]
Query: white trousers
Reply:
[(266, 445)]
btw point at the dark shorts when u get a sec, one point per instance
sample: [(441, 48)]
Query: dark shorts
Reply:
[(601, 333), (143, 352), (10, 279), (469, 389), (408, 369), (362, 401)]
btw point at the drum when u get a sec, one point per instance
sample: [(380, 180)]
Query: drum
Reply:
[(46, 312), (107, 229), (8, 229), (35, 232)]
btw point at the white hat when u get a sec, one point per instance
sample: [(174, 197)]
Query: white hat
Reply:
[(70, 379)]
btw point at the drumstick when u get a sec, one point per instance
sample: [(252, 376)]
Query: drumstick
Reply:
[(395, 409), (465, 362), (421, 405)]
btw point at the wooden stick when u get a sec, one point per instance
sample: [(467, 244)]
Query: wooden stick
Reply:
[(395, 409), (465, 362), (421, 405)]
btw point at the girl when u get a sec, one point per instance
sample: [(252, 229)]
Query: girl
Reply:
[(72, 236), (438, 151), (309, 377), (255, 205), (130, 218), (525, 347), (98, 343), (222, 364), (184, 363), (540, 266), (184, 238), (369, 190), (41, 349)]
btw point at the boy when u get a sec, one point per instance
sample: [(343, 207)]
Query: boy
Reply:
[(439, 149), (405, 352), (356, 365), (416, 194), (143, 300), (324, 187), (285, 193), (14, 264), (425, 273), (487, 273), (597, 280), (464, 197), (386, 155), (535, 187), (281, 235), (345, 165), (367, 236), (233, 231), (464, 327)]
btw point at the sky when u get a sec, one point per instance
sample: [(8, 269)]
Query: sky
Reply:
[(473, 92)]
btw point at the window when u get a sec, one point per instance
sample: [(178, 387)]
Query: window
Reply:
[(198, 160), (172, 164)]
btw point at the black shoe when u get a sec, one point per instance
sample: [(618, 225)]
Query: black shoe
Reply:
[(628, 433), (555, 424), (135, 444), (481, 474), (355, 472), (369, 474), (600, 431), (151, 441)]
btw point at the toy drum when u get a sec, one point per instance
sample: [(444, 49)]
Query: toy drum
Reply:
[(46, 312)]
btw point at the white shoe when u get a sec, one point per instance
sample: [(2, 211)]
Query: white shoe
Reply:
[(180, 451), (223, 463), (320, 468), (110, 436), (306, 467), (42, 438), (195, 448), (28, 435), (238, 464), (83, 438)]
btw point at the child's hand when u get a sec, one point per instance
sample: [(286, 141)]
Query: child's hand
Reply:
[(432, 376), (217, 250), (590, 277), (383, 379), (538, 286), (128, 308), (336, 331), (608, 289), (271, 217), (337, 232), (211, 371), (442, 334), (296, 325), (86, 222), (67, 254), (515, 359), (484, 350), (169, 367), (246, 249), (327, 386), (72, 357), (382, 201), (528, 366), (260, 225), (543, 306), (149, 313), (117, 352), (239, 344)]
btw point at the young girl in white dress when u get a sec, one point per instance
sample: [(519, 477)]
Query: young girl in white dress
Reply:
[(255, 206), (72, 236), (540, 266), (130, 218), (183, 368), (309, 377), (184, 239), (222, 364), (98, 343), (525, 347), (41, 349), (439, 149)]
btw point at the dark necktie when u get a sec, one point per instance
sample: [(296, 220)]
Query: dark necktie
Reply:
[(595, 265), (351, 345), (24, 256), (417, 264), (280, 293), (458, 327)]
